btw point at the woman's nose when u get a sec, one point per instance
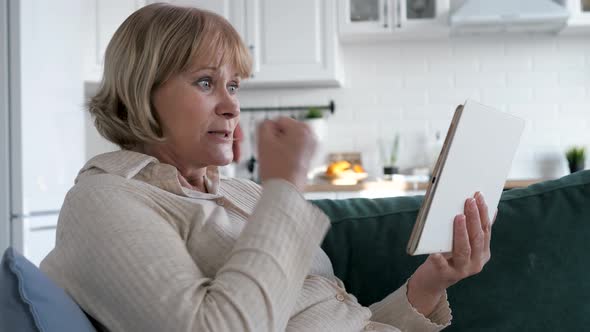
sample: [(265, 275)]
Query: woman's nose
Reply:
[(228, 107)]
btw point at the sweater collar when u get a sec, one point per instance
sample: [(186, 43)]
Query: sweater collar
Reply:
[(139, 166)]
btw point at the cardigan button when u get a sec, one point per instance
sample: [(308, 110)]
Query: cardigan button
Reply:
[(369, 327), (220, 202), (340, 297)]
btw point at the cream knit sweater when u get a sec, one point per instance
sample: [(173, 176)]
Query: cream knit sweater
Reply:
[(139, 252)]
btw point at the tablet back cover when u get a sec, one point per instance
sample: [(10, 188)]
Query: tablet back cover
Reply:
[(479, 159)]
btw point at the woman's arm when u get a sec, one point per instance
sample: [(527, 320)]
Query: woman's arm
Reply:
[(425, 292), (129, 268)]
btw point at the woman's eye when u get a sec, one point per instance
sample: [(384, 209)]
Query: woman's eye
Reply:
[(204, 83), (233, 88)]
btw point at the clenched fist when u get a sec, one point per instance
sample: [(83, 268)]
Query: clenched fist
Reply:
[(285, 150)]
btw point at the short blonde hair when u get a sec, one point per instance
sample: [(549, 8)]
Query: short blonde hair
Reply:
[(153, 44)]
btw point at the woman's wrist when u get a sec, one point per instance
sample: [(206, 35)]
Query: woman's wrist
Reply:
[(423, 295)]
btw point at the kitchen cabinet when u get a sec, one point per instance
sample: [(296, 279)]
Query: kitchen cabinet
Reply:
[(292, 43), (102, 18), (393, 19)]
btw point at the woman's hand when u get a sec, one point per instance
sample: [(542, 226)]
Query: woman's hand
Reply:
[(285, 149), (238, 138), (471, 251)]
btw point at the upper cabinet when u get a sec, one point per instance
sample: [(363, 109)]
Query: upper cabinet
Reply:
[(393, 19), (293, 43), (102, 18)]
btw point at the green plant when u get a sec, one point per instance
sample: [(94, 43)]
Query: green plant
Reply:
[(576, 155), (314, 113), (389, 151)]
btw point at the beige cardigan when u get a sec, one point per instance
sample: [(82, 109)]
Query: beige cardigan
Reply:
[(139, 252)]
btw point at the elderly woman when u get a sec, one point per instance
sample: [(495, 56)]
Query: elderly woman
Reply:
[(151, 238)]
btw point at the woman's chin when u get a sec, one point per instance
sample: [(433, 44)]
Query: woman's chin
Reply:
[(222, 159)]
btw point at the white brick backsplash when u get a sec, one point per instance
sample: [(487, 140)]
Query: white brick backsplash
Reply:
[(458, 63), (397, 66), (573, 46), (403, 97), (428, 113), (429, 49), (413, 88), (562, 62), (575, 78), (531, 46), (386, 114), (579, 110), (533, 79), (559, 94), (431, 81), (506, 63), (495, 96), (355, 97), (494, 80), (475, 47), (452, 96)]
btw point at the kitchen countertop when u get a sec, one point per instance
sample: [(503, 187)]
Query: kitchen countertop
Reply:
[(397, 184)]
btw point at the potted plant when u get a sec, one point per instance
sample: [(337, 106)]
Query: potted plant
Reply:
[(389, 152), (576, 157), (315, 118)]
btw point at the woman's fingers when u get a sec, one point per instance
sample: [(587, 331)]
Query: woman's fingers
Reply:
[(461, 246), (486, 224), (476, 235), (484, 215)]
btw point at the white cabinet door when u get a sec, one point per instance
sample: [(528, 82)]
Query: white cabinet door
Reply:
[(233, 10), (221, 7), (365, 16), (393, 19), (102, 18), (294, 43)]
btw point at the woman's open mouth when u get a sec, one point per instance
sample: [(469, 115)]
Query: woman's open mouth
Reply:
[(221, 135)]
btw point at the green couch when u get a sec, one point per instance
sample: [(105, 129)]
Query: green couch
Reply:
[(537, 279)]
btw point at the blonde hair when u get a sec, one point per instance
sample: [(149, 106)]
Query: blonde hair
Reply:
[(153, 44)]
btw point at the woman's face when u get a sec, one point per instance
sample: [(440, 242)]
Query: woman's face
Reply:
[(198, 111)]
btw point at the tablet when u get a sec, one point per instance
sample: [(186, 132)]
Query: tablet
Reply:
[(476, 156)]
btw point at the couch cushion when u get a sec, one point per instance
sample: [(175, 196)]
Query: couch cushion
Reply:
[(537, 279), (29, 301)]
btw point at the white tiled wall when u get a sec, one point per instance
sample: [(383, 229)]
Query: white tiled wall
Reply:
[(413, 87)]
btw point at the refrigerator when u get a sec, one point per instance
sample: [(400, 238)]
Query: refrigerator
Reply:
[(42, 119)]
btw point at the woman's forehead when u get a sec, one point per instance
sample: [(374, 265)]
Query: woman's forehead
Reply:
[(212, 64)]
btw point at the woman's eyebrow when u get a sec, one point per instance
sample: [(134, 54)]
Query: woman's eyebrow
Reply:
[(192, 71)]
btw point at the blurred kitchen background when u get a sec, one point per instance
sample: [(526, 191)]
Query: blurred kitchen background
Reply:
[(391, 68)]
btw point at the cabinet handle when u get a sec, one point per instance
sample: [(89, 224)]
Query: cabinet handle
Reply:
[(385, 16)]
